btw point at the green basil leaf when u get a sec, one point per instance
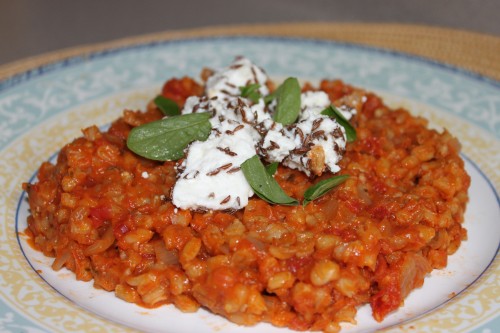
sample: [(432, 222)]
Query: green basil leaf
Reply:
[(167, 106), (263, 184), (288, 102), (251, 92), (350, 132), (322, 187), (269, 98), (166, 139), (272, 168)]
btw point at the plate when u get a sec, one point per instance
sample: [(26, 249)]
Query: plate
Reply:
[(45, 108)]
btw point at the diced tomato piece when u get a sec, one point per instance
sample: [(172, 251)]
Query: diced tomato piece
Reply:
[(179, 90), (99, 215)]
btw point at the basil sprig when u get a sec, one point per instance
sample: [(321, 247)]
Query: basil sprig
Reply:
[(269, 98), (287, 101), (272, 168), (167, 106), (322, 187), (261, 180), (251, 91), (263, 184), (350, 132), (166, 139)]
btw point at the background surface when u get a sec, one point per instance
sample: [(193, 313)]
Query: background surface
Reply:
[(32, 27)]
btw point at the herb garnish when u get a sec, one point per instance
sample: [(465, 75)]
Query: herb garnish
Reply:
[(251, 91), (269, 98), (167, 106), (288, 102), (263, 184), (322, 187), (272, 168), (350, 132), (166, 139)]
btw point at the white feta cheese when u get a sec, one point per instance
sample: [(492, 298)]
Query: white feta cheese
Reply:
[(235, 108), (312, 103), (145, 175), (256, 113), (277, 142), (347, 111), (227, 82), (221, 110), (294, 145), (210, 176)]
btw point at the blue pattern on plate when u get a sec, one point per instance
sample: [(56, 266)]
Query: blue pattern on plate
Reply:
[(35, 96), (32, 97)]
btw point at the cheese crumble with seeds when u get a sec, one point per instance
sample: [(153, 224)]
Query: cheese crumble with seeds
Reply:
[(210, 176), (227, 82), (241, 129)]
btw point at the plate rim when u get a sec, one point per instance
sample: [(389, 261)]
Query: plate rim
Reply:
[(75, 60), (39, 70)]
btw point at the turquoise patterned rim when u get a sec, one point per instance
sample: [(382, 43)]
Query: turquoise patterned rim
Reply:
[(33, 97)]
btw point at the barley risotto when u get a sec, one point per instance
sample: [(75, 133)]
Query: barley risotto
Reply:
[(260, 201)]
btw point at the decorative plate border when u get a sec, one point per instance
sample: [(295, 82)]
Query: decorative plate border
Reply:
[(15, 123)]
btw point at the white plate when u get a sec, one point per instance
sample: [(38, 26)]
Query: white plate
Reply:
[(43, 109)]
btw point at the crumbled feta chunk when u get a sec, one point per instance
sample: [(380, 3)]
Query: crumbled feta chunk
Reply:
[(277, 142), (226, 83), (312, 145), (145, 175), (236, 109), (312, 103), (347, 111), (210, 176)]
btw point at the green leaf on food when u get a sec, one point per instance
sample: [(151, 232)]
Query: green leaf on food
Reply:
[(166, 139), (269, 98), (272, 96), (322, 187), (251, 92), (333, 112), (272, 168), (263, 184), (288, 102), (167, 106)]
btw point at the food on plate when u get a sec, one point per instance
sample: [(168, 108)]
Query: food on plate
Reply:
[(260, 201)]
